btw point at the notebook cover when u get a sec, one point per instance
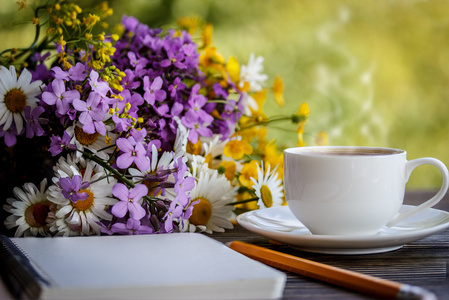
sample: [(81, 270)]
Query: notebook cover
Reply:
[(167, 266)]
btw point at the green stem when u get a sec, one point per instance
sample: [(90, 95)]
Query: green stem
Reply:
[(271, 120), (119, 175), (243, 201), (108, 167)]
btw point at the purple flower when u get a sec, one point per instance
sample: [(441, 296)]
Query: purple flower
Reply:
[(183, 185), (132, 153), (175, 211), (153, 90), (72, 186), (58, 144), (129, 201), (191, 55), (130, 23), (32, 118), (138, 135), (182, 188), (174, 59), (98, 86), (75, 73), (197, 126), (129, 80), (60, 96), (177, 86), (219, 91), (139, 64), (196, 103), (10, 135), (132, 226), (92, 113)]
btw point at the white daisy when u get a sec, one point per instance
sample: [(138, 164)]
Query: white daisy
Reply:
[(249, 104), (29, 212), (268, 188), (252, 73), (15, 94), (197, 165), (211, 212), (213, 151), (182, 135), (83, 215), (98, 144)]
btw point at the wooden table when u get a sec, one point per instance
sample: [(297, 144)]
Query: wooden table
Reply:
[(423, 263)]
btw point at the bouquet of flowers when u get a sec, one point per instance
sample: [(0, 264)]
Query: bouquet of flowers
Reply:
[(145, 130)]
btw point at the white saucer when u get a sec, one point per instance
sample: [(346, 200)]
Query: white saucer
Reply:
[(278, 223)]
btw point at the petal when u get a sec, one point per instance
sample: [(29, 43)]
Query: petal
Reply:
[(120, 191), (136, 211), (85, 118), (124, 145), (79, 105), (142, 162), (71, 95), (49, 98), (157, 83), (125, 160), (19, 122), (24, 79), (120, 209), (138, 192), (89, 128), (58, 87)]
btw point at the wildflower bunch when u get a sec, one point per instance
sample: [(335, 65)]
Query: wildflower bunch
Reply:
[(148, 131)]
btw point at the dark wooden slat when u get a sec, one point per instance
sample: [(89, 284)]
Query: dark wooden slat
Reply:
[(423, 263)]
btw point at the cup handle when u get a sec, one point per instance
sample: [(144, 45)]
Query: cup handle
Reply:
[(409, 167)]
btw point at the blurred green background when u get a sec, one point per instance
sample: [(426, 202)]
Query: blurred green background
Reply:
[(374, 73)]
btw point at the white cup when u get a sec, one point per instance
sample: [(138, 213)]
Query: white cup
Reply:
[(337, 190)]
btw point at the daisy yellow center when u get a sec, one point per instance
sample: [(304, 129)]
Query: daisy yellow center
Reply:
[(202, 212), (194, 148), (15, 100), (36, 214), (85, 139), (151, 185), (84, 205), (267, 197)]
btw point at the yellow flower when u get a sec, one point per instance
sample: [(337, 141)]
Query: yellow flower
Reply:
[(260, 98), (261, 135), (91, 20), (304, 110), (273, 157), (237, 149), (207, 35), (303, 113), (210, 58), (22, 4), (250, 132), (230, 167), (246, 196), (233, 69), (278, 90), (190, 24), (301, 142), (249, 170)]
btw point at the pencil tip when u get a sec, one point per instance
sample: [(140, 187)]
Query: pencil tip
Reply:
[(415, 292)]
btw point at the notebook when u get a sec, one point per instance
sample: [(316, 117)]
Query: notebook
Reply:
[(166, 266)]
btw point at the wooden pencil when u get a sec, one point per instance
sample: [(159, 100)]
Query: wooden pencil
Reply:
[(348, 279)]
